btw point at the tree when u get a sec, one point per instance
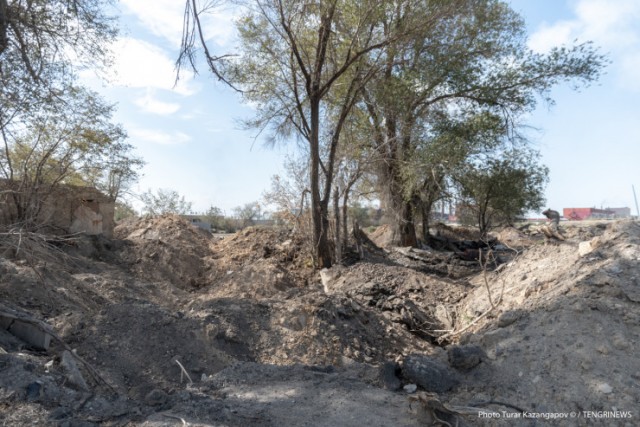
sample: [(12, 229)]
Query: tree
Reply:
[(248, 213), (38, 33), (123, 210), (42, 42), (165, 201), (67, 143), (53, 131), (295, 55), (426, 175), (503, 187), (215, 217), (287, 194), (473, 60)]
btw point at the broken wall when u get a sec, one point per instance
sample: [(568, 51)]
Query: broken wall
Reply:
[(70, 209)]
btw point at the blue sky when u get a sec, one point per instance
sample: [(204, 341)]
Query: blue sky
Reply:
[(192, 143)]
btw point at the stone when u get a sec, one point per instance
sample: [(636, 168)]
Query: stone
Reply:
[(388, 376), (60, 413), (328, 276), (428, 373), (465, 357), (34, 391), (584, 248), (605, 388), (27, 332), (410, 388), (155, 397), (509, 317), (444, 316), (71, 370)]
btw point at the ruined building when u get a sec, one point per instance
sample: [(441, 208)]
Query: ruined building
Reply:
[(65, 209)]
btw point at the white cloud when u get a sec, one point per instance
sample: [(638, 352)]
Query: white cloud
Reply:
[(143, 65), (612, 25), (549, 36), (164, 19), (150, 104), (159, 137)]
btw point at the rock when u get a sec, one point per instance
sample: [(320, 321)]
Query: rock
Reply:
[(388, 376), (410, 388), (74, 376), (509, 317), (328, 277), (60, 413), (428, 373), (34, 391), (494, 337), (584, 248), (27, 332), (444, 316), (155, 397), (605, 388), (465, 357)]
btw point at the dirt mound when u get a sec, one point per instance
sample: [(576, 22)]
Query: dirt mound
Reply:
[(565, 335), (513, 238), (167, 248), (413, 299), (259, 263), (382, 236)]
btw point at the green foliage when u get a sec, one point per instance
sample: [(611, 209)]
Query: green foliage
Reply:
[(69, 142), (52, 130), (165, 201), (247, 214), (459, 87), (124, 210), (502, 188)]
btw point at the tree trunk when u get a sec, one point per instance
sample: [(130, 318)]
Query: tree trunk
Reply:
[(336, 214), (4, 25), (426, 214), (407, 228), (345, 223), (319, 211)]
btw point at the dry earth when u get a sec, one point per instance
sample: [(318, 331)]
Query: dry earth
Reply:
[(181, 328)]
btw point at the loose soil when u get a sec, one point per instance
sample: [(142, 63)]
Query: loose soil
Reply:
[(185, 328)]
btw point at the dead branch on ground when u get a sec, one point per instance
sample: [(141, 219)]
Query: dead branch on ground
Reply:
[(493, 305)]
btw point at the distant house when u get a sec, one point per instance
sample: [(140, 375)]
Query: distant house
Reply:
[(197, 221), (578, 214), (621, 212)]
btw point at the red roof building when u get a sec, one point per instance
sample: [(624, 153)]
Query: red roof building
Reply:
[(578, 214)]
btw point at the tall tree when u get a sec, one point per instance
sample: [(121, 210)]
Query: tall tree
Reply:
[(473, 60), (42, 42), (293, 57)]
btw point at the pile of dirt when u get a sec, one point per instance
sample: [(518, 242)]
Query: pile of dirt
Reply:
[(564, 337), (167, 248), (259, 263), (383, 236)]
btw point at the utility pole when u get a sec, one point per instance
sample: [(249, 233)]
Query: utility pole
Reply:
[(636, 199)]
